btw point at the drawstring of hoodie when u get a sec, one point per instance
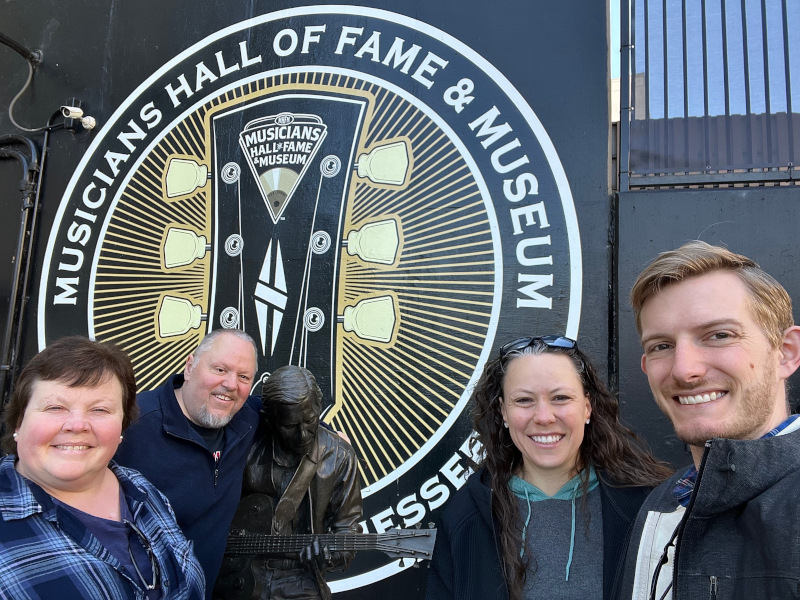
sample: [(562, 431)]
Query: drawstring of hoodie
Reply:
[(572, 531), (527, 520), (569, 491)]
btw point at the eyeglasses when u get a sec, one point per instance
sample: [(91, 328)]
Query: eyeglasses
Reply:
[(151, 555), (551, 341)]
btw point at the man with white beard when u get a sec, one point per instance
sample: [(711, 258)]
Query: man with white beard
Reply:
[(192, 439)]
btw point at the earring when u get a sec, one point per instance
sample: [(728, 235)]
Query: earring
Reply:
[(120, 438), (587, 421), (505, 424), (14, 435)]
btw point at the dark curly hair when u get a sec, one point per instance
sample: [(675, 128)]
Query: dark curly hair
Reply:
[(616, 452)]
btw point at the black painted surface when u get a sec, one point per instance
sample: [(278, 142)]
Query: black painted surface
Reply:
[(761, 223), (555, 54)]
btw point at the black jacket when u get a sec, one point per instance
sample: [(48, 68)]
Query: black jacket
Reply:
[(739, 538), (203, 492), (466, 561)]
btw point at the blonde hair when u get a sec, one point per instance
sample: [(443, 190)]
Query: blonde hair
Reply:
[(769, 303)]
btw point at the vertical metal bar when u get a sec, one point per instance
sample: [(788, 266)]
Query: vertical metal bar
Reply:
[(627, 83), (767, 95), (746, 57), (685, 41), (706, 132), (647, 114), (665, 59), (647, 127), (726, 83), (785, 19), (787, 72), (748, 129), (667, 141)]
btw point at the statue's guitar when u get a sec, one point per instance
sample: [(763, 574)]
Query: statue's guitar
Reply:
[(239, 578), (397, 543)]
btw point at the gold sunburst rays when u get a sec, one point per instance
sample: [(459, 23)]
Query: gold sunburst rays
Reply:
[(395, 397), (392, 397), (391, 416), (155, 360), (448, 185), (368, 199)]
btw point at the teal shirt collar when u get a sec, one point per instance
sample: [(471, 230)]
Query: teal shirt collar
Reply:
[(568, 491)]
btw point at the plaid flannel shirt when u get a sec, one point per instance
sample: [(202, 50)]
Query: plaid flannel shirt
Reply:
[(46, 552)]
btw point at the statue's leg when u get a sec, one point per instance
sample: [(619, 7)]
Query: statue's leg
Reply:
[(294, 584)]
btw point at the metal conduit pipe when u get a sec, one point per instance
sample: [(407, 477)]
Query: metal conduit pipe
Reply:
[(29, 186), (32, 56), (27, 267)]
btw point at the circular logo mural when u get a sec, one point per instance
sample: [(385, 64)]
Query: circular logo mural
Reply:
[(362, 193)]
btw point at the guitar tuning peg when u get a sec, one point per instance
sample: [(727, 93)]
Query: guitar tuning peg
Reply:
[(430, 525), (402, 563), (416, 564)]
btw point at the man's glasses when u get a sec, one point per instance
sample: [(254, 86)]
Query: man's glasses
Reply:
[(151, 555), (552, 341)]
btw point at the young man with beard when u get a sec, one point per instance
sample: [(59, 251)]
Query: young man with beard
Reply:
[(719, 343), (192, 439)]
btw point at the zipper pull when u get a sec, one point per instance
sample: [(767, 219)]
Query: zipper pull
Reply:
[(713, 590), (217, 455)]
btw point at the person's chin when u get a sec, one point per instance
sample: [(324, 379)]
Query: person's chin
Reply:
[(306, 449), (215, 421), (697, 434)]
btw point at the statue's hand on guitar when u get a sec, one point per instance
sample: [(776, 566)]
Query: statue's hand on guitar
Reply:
[(319, 558)]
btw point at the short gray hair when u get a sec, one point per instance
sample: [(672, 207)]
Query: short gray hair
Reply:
[(213, 335)]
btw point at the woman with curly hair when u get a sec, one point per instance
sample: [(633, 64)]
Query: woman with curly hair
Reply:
[(547, 514)]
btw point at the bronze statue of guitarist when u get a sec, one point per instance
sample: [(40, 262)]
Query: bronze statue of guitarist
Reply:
[(300, 478)]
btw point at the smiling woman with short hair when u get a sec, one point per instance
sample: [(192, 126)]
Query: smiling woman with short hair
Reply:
[(74, 524)]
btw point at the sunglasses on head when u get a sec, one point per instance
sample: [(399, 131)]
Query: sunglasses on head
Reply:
[(552, 341)]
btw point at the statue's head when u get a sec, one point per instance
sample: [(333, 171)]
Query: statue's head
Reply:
[(292, 402)]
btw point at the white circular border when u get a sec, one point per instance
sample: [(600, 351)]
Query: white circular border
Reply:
[(546, 144)]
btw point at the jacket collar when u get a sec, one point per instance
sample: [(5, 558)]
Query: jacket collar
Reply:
[(17, 500), (21, 498), (744, 469)]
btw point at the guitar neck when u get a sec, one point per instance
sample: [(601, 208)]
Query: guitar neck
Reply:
[(245, 543)]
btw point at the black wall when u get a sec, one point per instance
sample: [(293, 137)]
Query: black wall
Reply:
[(554, 54), (759, 222)]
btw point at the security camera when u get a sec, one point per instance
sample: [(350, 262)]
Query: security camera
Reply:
[(71, 112)]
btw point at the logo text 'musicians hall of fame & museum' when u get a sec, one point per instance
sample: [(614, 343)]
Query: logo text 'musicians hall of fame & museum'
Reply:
[(362, 193)]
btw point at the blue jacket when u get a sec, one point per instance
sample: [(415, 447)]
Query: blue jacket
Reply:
[(46, 552), (203, 492), (466, 560)]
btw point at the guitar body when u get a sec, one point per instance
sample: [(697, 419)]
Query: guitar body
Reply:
[(245, 575), (242, 577), (254, 513)]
